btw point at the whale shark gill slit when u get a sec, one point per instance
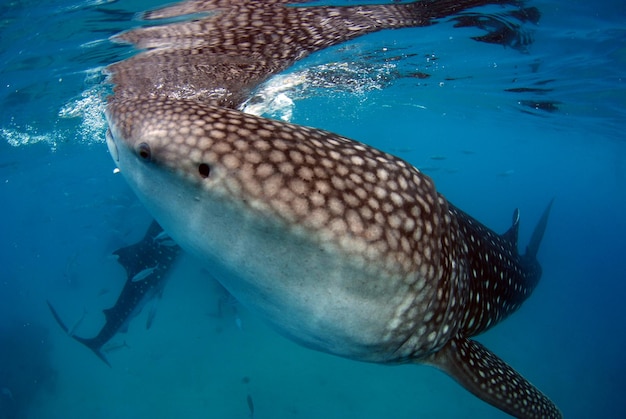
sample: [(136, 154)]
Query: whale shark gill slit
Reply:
[(342, 247)]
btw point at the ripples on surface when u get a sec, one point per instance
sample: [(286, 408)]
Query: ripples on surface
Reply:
[(54, 55)]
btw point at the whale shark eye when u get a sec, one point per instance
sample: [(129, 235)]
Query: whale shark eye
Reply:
[(144, 151), (204, 170)]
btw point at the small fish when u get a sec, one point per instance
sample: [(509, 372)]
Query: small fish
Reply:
[(168, 243), (7, 393), (69, 265), (77, 324), (250, 405), (114, 346), (151, 315), (161, 236), (141, 275)]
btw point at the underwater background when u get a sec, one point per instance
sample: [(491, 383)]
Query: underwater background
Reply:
[(497, 128)]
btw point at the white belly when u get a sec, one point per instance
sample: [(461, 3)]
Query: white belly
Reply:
[(304, 287)]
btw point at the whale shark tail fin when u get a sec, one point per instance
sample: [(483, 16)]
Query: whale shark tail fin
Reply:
[(95, 348), (90, 343), (533, 246)]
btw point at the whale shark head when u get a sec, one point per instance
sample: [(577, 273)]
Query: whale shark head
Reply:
[(296, 220)]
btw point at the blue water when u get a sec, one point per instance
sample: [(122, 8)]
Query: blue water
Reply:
[(63, 212)]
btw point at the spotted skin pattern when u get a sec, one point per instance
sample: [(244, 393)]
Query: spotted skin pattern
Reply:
[(488, 377), (342, 247)]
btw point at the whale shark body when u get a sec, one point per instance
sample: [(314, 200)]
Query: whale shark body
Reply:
[(149, 256), (341, 247)]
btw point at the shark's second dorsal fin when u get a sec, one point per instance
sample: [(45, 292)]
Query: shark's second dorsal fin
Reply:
[(513, 232), (491, 379)]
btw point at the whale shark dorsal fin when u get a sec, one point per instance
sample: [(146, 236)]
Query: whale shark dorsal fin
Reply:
[(512, 233), (491, 379)]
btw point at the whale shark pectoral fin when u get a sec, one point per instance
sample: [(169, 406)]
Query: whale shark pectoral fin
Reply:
[(57, 317), (489, 378)]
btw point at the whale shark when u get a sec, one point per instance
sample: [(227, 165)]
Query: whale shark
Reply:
[(148, 258), (342, 247)]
